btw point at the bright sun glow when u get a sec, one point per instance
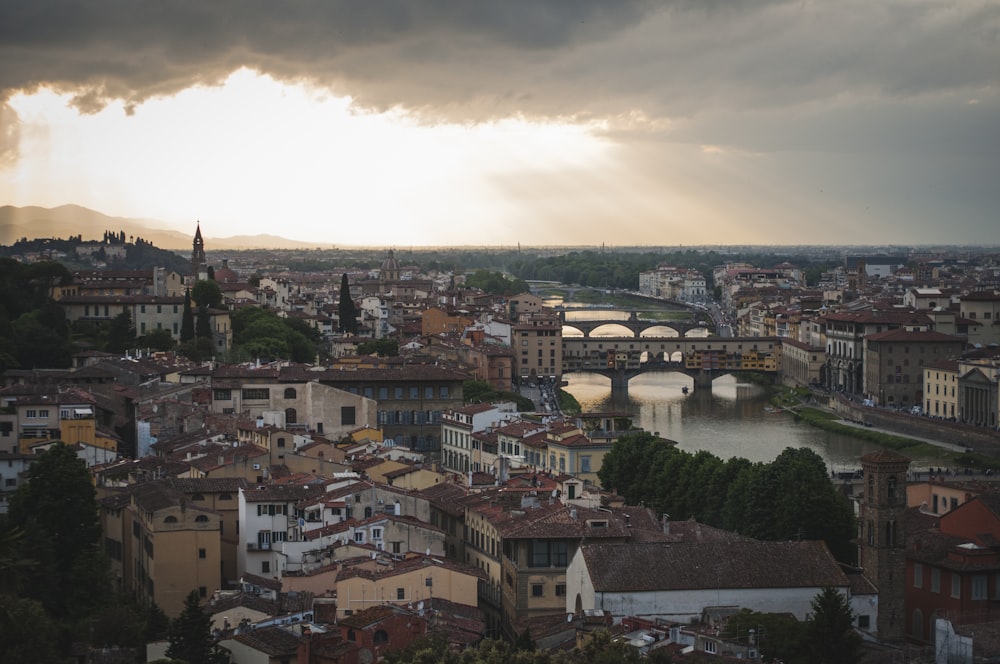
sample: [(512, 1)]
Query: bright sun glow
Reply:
[(258, 156)]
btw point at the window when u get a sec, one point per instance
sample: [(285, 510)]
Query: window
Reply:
[(383, 393), (201, 518), (202, 591), (397, 393), (400, 593), (864, 622), (202, 553), (935, 580), (710, 646), (265, 566), (956, 585), (979, 587), (536, 589), (560, 590), (397, 547), (918, 575), (429, 392), (585, 463), (376, 533), (347, 416), (290, 393), (170, 519), (380, 637), (291, 416), (444, 392), (359, 536), (414, 392), (255, 394)]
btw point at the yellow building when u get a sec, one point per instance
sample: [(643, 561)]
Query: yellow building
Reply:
[(175, 547), (941, 389), (365, 582)]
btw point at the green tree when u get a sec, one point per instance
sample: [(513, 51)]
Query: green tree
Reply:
[(203, 324), (191, 635), (346, 310), (41, 338), (57, 510), (187, 319), (779, 636), (380, 347), (27, 633), (159, 339), (207, 294), (832, 638), (121, 333)]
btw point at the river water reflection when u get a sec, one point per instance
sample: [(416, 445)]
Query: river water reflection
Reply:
[(730, 420)]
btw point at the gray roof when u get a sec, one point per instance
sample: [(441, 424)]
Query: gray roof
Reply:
[(657, 566)]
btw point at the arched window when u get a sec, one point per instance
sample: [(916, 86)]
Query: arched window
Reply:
[(291, 417), (890, 489), (170, 519), (380, 636), (871, 533), (201, 518), (290, 393), (197, 496), (890, 533), (368, 512)]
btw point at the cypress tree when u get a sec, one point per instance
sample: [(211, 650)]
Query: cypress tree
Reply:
[(346, 310), (187, 321)]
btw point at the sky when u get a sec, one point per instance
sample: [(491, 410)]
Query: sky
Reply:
[(539, 122)]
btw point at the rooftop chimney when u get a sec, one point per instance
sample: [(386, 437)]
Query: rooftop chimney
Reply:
[(666, 524)]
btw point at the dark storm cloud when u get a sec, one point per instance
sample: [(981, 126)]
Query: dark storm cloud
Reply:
[(863, 91), (472, 60)]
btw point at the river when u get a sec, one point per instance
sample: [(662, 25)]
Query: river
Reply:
[(730, 420)]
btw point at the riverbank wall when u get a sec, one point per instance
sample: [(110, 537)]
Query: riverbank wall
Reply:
[(979, 440)]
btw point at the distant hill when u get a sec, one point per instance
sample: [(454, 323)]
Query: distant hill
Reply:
[(67, 220)]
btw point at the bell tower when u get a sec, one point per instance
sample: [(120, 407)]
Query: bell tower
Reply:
[(198, 267), (883, 536)]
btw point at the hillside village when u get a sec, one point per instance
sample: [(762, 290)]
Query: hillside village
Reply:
[(336, 509)]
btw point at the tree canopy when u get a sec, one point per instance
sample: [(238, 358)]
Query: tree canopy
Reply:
[(261, 333), (790, 498), (206, 293)]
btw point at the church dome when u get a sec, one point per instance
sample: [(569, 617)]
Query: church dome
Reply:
[(390, 264), (226, 275)]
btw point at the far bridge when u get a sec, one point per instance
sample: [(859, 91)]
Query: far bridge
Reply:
[(704, 359), (635, 324)]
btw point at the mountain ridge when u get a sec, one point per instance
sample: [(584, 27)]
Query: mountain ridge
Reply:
[(33, 221)]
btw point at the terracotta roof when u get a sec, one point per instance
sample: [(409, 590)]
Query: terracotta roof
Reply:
[(274, 641), (637, 567)]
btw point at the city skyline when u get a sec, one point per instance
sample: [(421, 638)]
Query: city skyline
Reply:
[(544, 123)]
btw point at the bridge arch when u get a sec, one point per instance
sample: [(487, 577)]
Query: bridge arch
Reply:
[(611, 329), (660, 331)]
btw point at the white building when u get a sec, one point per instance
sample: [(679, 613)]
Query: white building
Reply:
[(457, 427), (677, 581)]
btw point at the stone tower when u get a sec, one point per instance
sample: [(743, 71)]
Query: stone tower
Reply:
[(883, 536), (198, 267)]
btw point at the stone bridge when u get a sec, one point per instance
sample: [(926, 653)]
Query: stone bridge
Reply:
[(635, 324), (705, 359)]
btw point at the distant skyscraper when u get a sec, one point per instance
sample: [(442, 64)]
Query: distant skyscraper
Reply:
[(198, 267)]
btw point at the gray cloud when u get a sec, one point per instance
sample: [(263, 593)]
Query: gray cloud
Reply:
[(869, 92)]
